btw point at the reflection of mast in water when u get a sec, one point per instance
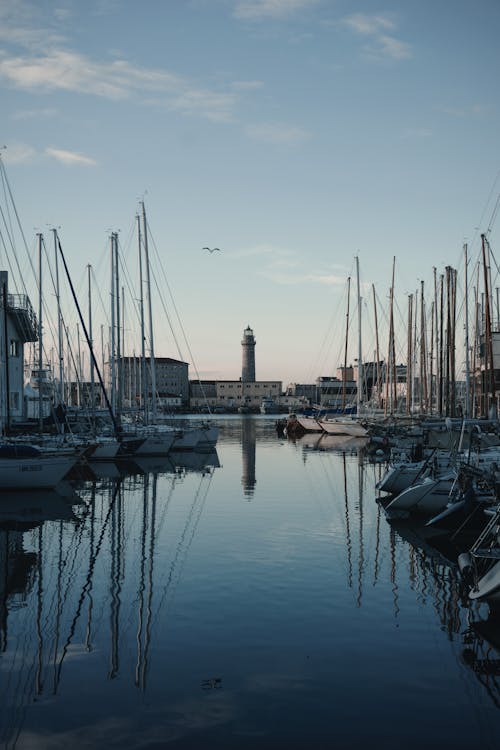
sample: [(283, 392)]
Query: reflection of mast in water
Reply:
[(179, 560), (86, 586), (39, 609), (142, 585), (377, 546), (361, 560), (60, 567), (116, 577), (147, 635), (347, 526), (88, 640), (392, 539), (248, 456)]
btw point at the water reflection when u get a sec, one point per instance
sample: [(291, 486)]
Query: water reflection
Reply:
[(152, 607), (248, 451), (67, 557)]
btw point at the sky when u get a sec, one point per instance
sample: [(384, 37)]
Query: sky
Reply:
[(294, 135)]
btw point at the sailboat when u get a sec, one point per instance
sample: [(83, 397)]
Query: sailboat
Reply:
[(22, 466), (348, 425)]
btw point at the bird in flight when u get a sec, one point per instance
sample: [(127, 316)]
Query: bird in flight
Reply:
[(212, 249)]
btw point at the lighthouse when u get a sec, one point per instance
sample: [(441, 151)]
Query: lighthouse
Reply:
[(248, 361)]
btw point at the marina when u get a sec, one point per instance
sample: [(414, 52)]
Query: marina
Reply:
[(255, 594)]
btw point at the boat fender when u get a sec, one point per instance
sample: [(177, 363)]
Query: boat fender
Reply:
[(465, 563)]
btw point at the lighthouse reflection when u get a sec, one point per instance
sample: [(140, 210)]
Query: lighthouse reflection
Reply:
[(248, 442)]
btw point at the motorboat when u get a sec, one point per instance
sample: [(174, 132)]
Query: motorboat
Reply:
[(426, 498)]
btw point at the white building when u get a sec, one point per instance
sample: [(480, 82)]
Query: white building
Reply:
[(18, 325)]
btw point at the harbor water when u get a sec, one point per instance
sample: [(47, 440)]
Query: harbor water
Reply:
[(252, 597)]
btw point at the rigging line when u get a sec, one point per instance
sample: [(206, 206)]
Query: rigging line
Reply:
[(494, 214), (97, 286), (8, 261), (4, 174), (8, 225), (86, 585), (14, 253), (173, 304), (114, 420), (181, 554)]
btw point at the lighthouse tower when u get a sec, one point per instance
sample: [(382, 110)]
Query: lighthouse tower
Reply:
[(248, 362)]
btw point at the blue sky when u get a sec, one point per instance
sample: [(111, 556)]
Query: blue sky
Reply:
[(292, 134)]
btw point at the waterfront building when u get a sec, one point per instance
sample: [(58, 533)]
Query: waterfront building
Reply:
[(231, 395), (19, 326), (172, 381)]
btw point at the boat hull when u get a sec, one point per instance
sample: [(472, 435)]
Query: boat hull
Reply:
[(42, 472)]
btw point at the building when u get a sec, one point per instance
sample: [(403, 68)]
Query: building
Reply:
[(18, 326), (172, 381)]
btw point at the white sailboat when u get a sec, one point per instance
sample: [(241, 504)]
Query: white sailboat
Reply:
[(350, 425)]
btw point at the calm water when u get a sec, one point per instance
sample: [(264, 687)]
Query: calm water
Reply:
[(263, 602)]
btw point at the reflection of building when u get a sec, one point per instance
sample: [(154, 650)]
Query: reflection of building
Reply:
[(248, 441), (16, 576)]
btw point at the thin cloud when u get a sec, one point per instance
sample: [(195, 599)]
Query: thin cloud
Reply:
[(368, 25), (255, 10), (70, 158), (392, 47), (277, 133), (376, 28), (116, 80)]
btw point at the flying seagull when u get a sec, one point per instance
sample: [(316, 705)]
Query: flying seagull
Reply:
[(212, 249)]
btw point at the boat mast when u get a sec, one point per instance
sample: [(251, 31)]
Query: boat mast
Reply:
[(409, 355), (59, 324), (143, 389), (92, 373), (376, 344), (360, 355), (423, 353), (40, 342), (467, 364), (119, 369), (487, 334), (391, 358), (150, 313), (344, 373), (440, 356), (112, 352)]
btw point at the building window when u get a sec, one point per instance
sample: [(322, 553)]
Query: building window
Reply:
[(14, 399), (14, 348)]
